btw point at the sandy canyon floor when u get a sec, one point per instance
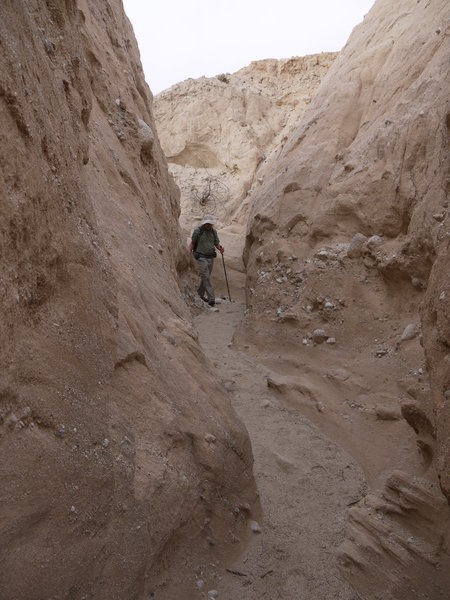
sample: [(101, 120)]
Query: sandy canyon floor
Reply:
[(323, 464), (306, 482)]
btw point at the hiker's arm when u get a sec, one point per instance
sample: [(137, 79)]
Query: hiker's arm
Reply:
[(217, 242), (194, 239)]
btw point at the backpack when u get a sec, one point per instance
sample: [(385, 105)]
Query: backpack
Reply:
[(194, 252)]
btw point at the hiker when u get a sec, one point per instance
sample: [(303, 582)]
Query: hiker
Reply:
[(204, 240)]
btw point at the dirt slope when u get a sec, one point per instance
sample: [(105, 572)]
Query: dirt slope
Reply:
[(107, 403)]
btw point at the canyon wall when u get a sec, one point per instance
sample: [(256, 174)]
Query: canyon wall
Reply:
[(217, 132), (121, 455), (347, 243)]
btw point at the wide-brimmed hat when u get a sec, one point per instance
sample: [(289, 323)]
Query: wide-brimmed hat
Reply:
[(208, 219)]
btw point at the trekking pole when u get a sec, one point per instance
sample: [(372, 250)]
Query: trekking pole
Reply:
[(226, 278)]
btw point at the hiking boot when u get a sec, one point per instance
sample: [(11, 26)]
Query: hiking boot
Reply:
[(211, 302)]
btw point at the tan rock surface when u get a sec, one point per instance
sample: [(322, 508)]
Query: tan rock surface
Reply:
[(217, 132), (369, 157), (110, 485)]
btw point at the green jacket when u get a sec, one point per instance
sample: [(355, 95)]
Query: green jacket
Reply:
[(205, 240)]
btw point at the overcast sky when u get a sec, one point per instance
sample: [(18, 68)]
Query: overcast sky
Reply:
[(191, 38)]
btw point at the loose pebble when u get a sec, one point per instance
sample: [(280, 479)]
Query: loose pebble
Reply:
[(255, 527), (319, 336), (410, 332), (355, 246), (374, 241), (12, 421), (381, 352)]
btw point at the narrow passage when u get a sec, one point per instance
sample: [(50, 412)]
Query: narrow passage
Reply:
[(305, 481)]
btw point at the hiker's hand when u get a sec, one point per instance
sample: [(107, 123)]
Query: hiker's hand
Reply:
[(221, 249)]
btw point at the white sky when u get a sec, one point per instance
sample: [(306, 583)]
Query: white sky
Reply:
[(191, 38)]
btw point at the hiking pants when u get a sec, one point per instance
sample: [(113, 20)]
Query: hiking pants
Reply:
[(205, 266)]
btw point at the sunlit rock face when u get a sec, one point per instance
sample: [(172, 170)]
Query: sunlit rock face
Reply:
[(118, 442)]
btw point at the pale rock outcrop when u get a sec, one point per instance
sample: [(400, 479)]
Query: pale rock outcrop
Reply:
[(217, 132), (354, 211), (109, 482)]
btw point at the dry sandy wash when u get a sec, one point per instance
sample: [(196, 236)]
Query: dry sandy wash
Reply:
[(290, 444)]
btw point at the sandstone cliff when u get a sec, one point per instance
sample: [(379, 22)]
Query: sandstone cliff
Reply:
[(119, 448), (217, 132), (347, 239)]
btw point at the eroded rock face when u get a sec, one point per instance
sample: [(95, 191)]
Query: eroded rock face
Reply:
[(107, 404), (218, 132), (377, 536), (349, 235)]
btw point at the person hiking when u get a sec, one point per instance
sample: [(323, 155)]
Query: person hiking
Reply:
[(203, 241)]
